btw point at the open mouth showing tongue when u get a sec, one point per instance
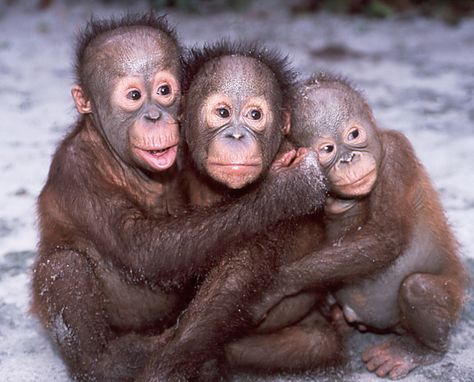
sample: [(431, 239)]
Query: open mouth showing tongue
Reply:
[(159, 159)]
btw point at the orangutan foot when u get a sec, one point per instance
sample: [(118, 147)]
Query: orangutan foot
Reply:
[(395, 358), (336, 317)]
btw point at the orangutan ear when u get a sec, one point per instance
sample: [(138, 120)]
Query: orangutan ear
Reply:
[(286, 122), (83, 105)]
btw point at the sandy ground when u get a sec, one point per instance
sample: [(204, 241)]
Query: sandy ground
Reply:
[(418, 75)]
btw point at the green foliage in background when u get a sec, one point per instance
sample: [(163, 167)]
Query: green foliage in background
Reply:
[(450, 11), (200, 6)]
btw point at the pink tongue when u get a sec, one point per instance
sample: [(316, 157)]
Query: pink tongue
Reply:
[(166, 159)]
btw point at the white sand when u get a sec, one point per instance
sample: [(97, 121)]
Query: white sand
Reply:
[(418, 75)]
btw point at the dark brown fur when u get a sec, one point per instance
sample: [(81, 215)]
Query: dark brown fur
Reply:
[(291, 332), (390, 255), (118, 255), (380, 236), (220, 310)]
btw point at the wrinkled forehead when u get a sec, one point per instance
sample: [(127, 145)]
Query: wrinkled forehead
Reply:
[(238, 76), (133, 51), (328, 110)]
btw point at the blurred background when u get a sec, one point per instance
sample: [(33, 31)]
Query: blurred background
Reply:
[(412, 59), (450, 11)]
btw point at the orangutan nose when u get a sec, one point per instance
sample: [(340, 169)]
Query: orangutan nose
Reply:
[(237, 136), (236, 132), (347, 157), (153, 115)]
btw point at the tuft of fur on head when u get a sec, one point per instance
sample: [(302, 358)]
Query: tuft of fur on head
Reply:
[(335, 81), (303, 132), (98, 27), (328, 80), (273, 59)]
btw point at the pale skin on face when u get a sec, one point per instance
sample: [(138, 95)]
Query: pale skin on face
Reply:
[(354, 178), (236, 103), (152, 133), (218, 110), (131, 92), (155, 147), (255, 112)]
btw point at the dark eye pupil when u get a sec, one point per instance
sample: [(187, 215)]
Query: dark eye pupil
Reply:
[(328, 148), (223, 112), (354, 134), (164, 90), (255, 114), (135, 95)]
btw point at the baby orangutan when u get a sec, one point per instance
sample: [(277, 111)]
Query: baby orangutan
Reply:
[(119, 253), (390, 256)]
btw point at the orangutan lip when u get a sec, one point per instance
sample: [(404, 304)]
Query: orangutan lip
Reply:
[(357, 182), (158, 151), (234, 164), (158, 159)]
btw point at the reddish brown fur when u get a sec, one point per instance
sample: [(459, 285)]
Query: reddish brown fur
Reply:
[(366, 236), (116, 264), (220, 310), (386, 235), (118, 254)]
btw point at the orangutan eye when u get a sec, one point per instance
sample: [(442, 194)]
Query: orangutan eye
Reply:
[(164, 90), (223, 112), (327, 149), (255, 114), (353, 134), (134, 95)]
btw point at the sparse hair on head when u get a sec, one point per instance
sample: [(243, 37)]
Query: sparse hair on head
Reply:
[(328, 80), (304, 112), (273, 59), (98, 27)]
